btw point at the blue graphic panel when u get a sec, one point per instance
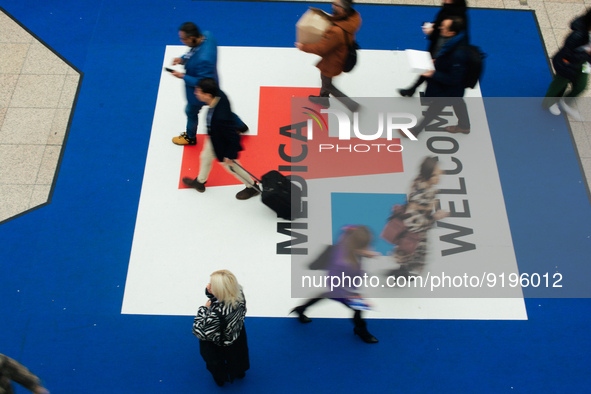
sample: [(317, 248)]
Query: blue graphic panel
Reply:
[(370, 209)]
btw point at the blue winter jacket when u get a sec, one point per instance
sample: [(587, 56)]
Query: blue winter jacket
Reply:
[(451, 64), (202, 64)]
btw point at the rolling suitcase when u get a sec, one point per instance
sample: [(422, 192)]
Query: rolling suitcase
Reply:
[(279, 194)]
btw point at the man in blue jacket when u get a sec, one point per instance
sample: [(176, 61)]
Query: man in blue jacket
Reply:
[(446, 83), (200, 62)]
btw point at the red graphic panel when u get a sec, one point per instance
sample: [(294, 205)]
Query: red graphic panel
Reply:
[(261, 152)]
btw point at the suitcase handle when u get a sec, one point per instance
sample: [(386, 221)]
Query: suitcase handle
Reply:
[(255, 178)]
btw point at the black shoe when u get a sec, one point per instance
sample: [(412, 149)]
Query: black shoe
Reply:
[(364, 335), (301, 317), (195, 184), (219, 382), (320, 100), (243, 129), (406, 92), (241, 375), (402, 273), (403, 134)]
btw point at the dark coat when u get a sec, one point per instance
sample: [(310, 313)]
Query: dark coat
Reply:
[(222, 132), (569, 60), (447, 11), (450, 69), (333, 45)]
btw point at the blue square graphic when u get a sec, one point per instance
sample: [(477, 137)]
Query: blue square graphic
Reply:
[(368, 209)]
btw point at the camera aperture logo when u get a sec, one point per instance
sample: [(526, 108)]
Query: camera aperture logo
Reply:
[(345, 125)]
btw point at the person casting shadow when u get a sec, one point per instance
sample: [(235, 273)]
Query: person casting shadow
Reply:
[(345, 261)]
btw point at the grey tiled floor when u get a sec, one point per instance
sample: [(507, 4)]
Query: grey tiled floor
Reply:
[(37, 91)]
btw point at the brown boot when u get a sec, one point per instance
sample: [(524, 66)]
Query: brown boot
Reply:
[(247, 193)]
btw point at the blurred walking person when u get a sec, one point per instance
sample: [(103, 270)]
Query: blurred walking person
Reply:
[(333, 50), (419, 217), (219, 325), (345, 261), (571, 64), (447, 83), (448, 9)]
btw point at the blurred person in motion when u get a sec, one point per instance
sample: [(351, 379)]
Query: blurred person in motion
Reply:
[(333, 50), (219, 325), (200, 62), (420, 217), (448, 9), (571, 64), (13, 371), (446, 84), (223, 142), (345, 260)]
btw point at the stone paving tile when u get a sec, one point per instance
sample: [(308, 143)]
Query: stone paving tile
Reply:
[(586, 162), (13, 57), (47, 90), (59, 126), (488, 4), (14, 199), (540, 10), (2, 115), (40, 195), (41, 60), (26, 126), (7, 85), (68, 92), (10, 31), (562, 14), (19, 164), (48, 165), (549, 40), (515, 4), (581, 139)]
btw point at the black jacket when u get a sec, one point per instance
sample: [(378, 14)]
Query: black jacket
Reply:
[(570, 58), (222, 132), (450, 69), (447, 11)]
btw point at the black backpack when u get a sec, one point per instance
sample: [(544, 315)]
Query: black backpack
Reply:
[(475, 65), (352, 48)]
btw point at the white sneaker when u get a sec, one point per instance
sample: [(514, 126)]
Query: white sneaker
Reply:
[(554, 110), (571, 111)]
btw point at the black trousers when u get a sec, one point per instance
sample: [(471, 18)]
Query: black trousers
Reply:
[(226, 363), (437, 106), (328, 88)]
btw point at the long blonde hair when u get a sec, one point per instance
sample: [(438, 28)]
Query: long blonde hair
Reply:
[(225, 287)]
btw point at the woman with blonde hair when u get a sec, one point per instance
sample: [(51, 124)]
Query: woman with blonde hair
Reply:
[(219, 325)]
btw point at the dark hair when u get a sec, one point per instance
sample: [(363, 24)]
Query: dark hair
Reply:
[(208, 86), (427, 168), (457, 24), (190, 29), (348, 6), (460, 3)]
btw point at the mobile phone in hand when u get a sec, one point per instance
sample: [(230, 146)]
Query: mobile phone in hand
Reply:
[(168, 69)]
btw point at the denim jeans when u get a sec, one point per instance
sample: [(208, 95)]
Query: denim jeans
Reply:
[(192, 112)]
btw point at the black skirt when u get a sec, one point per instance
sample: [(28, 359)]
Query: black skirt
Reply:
[(226, 363)]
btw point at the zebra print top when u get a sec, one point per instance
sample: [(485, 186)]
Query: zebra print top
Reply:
[(207, 323)]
